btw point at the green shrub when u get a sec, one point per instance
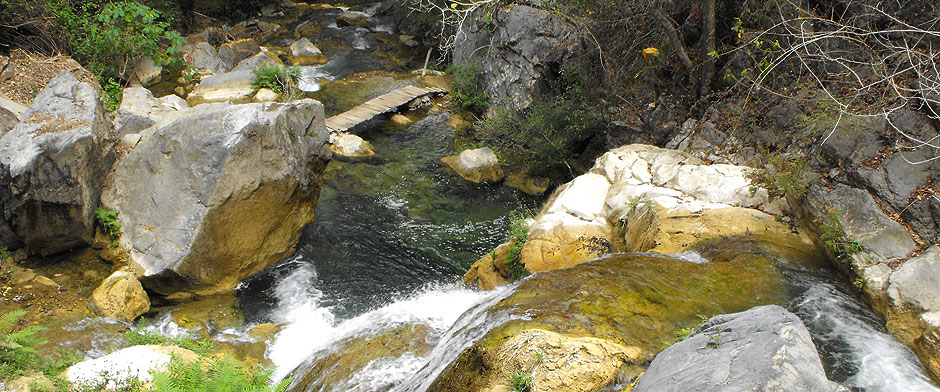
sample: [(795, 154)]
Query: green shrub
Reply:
[(467, 88), (4, 252), (548, 132), (17, 346), (781, 175), (140, 335), (278, 78), (110, 38), (833, 235), (110, 223), (214, 374), (518, 233), (521, 381)]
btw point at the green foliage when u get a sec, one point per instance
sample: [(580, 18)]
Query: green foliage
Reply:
[(214, 374), (140, 335), (781, 175), (278, 78), (110, 223), (547, 133), (833, 235), (684, 332), (521, 381), (113, 92), (4, 252), (467, 87), (518, 233), (109, 38), (18, 346)]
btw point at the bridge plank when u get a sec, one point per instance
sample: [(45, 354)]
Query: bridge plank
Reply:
[(382, 104)]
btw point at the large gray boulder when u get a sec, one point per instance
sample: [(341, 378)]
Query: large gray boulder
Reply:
[(765, 348), (52, 168), (220, 193), (139, 110), (526, 49)]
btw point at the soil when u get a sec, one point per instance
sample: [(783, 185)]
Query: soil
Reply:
[(31, 72)]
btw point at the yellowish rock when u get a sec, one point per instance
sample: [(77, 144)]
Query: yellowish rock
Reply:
[(534, 186), (478, 165), (120, 296), (401, 119), (350, 146)]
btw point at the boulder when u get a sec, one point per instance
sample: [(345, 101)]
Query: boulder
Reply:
[(253, 62), (220, 193), (765, 348), (257, 30), (351, 147), (914, 290), (264, 95), (555, 362), (235, 87), (120, 296), (204, 56), (353, 18), (118, 369), (527, 44), (147, 72), (139, 110), (232, 53), (534, 186), (478, 165), (10, 113), (52, 168), (303, 52), (401, 119)]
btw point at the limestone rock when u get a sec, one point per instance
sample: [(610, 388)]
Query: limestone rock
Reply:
[(304, 52), (253, 62), (400, 119), (478, 165), (139, 110), (231, 53), (350, 146), (10, 113), (264, 95), (531, 185), (120, 296), (765, 348), (204, 56), (489, 271), (915, 317), (147, 72), (220, 193), (235, 86), (257, 30), (118, 368), (352, 18), (52, 168), (567, 363)]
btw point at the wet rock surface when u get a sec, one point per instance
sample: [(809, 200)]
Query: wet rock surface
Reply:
[(477, 165)]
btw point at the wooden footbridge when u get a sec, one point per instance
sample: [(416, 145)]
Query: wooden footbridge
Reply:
[(385, 103)]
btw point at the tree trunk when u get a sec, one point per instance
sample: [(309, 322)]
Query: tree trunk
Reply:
[(708, 46), (666, 22)]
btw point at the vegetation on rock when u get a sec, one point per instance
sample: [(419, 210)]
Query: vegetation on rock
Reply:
[(467, 89), (518, 233), (109, 223), (278, 78)]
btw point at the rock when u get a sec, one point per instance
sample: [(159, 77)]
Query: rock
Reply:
[(139, 110), (264, 95), (631, 300), (350, 146), (400, 119), (257, 30), (10, 113), (478, 165), (241, 185), (765, 348), (52, 168), (118, 368), (120, 296), (130, 140), (519, 69), (147, 72), (303, 52), (264, 332), (253, 62), (556, 363), (490, 270), (235, 87), (534, 186), (353, 18), (915, 318), (22, 276), (44, 281), (31, 382), (880, 236), (231, 53), (203, 56)]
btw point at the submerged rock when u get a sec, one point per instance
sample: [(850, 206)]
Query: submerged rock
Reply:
[(120, 296), (220, 193), (478, 165), (52, 168), (634, 300), (765, 348)]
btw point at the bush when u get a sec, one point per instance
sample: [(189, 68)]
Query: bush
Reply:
[(467, 87), (278, 78), (17, 346), (110, 223), (781, 175), (549, 132), (518, 233), (833, 235), (521, 381)]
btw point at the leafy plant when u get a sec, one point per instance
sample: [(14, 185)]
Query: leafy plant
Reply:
[(518, 233), (113, 92), (4, 252), (521, 381), (214, 374), (781, 175), (17, 346), (684, 332), (833, 235), (110, 223), (276, 77), (140, 335), (467, 87)]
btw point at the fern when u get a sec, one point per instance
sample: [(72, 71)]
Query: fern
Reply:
[(214, 374), (18, 347)]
